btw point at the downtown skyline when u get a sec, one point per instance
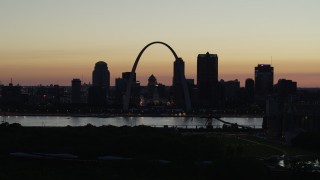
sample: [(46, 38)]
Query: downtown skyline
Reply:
[(54, 42)]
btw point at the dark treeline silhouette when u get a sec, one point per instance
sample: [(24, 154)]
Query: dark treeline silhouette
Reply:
[(139, 153)]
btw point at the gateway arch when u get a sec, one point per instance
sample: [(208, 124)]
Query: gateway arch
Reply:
[(134, 67)]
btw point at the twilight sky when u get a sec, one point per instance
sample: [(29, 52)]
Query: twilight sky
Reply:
[(53, 41)]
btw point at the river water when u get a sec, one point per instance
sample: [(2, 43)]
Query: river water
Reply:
[(184, 122)]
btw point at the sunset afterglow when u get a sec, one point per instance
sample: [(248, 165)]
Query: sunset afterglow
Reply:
[(56, 41)]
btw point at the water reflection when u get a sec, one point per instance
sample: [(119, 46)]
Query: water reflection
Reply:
[(281, 163), (189, 122), (300, 163)]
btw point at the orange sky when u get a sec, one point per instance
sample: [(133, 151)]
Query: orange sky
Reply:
[(60, 67), (52, 42)]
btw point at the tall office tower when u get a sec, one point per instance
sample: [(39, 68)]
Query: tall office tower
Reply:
[(207, 79), (97, 93), (249, 87), (76, 91), (177, 86), (263, 80), (178, 66), (101, 76)]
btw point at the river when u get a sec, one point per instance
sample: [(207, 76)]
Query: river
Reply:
[(184, 122)]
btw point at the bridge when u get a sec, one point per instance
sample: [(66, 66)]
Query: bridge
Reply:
[(134, 67), (228, 124)]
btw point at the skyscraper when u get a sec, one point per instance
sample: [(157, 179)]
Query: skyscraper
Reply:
[(177, 86), (178, 66), (207, 79), (97, 93), (76, 91), (263, 80), (101, 76)]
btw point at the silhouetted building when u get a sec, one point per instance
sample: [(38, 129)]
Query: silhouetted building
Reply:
[(126, 76), (53, 94), (84, 92), (152, 81), (97, 93), (76, 91), (152, 86), (101, 76), (11, 95), (178, 66), (249, 88), (231, 89), (207, 79), (263, 80), (287, 117), (304, 116), (285, 87), (121, 86), (97, 96), (135, 93), (273, 122), (190, 82), (193, 91), (49, 95), (283, 116), (162, 90), (177, 86), (58, 93), (303, 109)]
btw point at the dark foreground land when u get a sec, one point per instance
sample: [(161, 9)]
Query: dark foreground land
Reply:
[(140, 153)]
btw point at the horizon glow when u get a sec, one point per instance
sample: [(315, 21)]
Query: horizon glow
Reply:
[(52, 42)]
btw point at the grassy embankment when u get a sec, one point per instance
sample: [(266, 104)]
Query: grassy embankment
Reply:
[(188, 155)]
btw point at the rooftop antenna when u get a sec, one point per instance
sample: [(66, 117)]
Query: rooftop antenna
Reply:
[(10, 80)]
